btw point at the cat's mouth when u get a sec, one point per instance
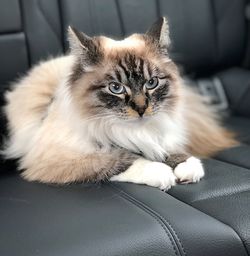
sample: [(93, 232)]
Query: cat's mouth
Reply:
[(139, 113), (138, 119)]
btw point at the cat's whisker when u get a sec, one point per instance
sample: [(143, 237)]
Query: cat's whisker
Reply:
[(95, 117)]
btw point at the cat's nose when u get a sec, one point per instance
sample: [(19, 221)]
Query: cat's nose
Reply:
[(140, 109)]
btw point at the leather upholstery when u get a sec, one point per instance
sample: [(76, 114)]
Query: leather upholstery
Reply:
[(42, 26), (14, 56), (205, 219), (121, 219), (76, 220), (238, 96), (13, 50), (223, 194), (219, 40), (10, 16)]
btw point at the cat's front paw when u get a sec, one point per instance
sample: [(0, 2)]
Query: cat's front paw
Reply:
[(159, 175), (190, 171), (143, 171)]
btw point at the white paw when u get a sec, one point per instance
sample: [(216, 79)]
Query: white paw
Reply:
[(189, 171), (143, 171)]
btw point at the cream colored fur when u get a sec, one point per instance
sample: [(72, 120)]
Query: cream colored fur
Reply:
[(143, 171), (55, 143), (45, 131), (33, 120)]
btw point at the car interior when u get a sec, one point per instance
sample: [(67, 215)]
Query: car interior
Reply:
[(211, 45)]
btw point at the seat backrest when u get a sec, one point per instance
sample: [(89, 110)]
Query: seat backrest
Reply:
[(207, 35), (29, 31)]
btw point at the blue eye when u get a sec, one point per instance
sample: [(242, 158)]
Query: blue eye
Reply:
[(152, 83), (116, 88)]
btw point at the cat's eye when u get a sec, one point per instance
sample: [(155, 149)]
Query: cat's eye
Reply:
[(152, 83), (116, 88)]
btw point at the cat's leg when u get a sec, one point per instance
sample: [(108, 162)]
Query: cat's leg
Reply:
[(59, 167), (143, 171), (187, 169), (119, 165)]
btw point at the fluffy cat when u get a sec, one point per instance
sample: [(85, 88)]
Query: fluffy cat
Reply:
[(115, 110)]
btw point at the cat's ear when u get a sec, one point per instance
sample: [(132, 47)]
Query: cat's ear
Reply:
[(158, 33), (84, 47)]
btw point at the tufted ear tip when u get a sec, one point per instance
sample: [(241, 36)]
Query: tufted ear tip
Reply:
[(78, 41), (159, 32), (70, 29), (86, 49)]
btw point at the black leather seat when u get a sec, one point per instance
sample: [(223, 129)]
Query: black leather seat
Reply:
[(211, 218)]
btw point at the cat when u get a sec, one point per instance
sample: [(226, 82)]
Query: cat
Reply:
[(111, 110)]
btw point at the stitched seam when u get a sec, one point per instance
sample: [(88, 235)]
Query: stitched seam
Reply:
[(220, 196), (119, 13), (158, 220), (228, 162), (242, 97), (48, 21), (62, 24), (155, 217), (231, 163), (174, 239), (211, 216), (158, 8), (26, 37), (216, 56)]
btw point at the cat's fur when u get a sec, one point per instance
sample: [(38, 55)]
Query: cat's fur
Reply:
[(66, 126)]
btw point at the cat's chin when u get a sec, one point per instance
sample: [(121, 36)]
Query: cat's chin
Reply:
[(137, 119)]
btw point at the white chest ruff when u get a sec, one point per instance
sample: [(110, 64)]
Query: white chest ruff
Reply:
[(154, 139)]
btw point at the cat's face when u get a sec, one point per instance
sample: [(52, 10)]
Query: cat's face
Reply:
[(132, 79)]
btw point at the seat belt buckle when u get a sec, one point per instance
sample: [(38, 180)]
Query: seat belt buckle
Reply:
[(213, 92)]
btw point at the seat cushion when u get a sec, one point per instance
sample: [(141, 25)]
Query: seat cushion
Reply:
[(210, 218), (223, 194), (225, 191), (106, 219), (238, 156), (236, 82)]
